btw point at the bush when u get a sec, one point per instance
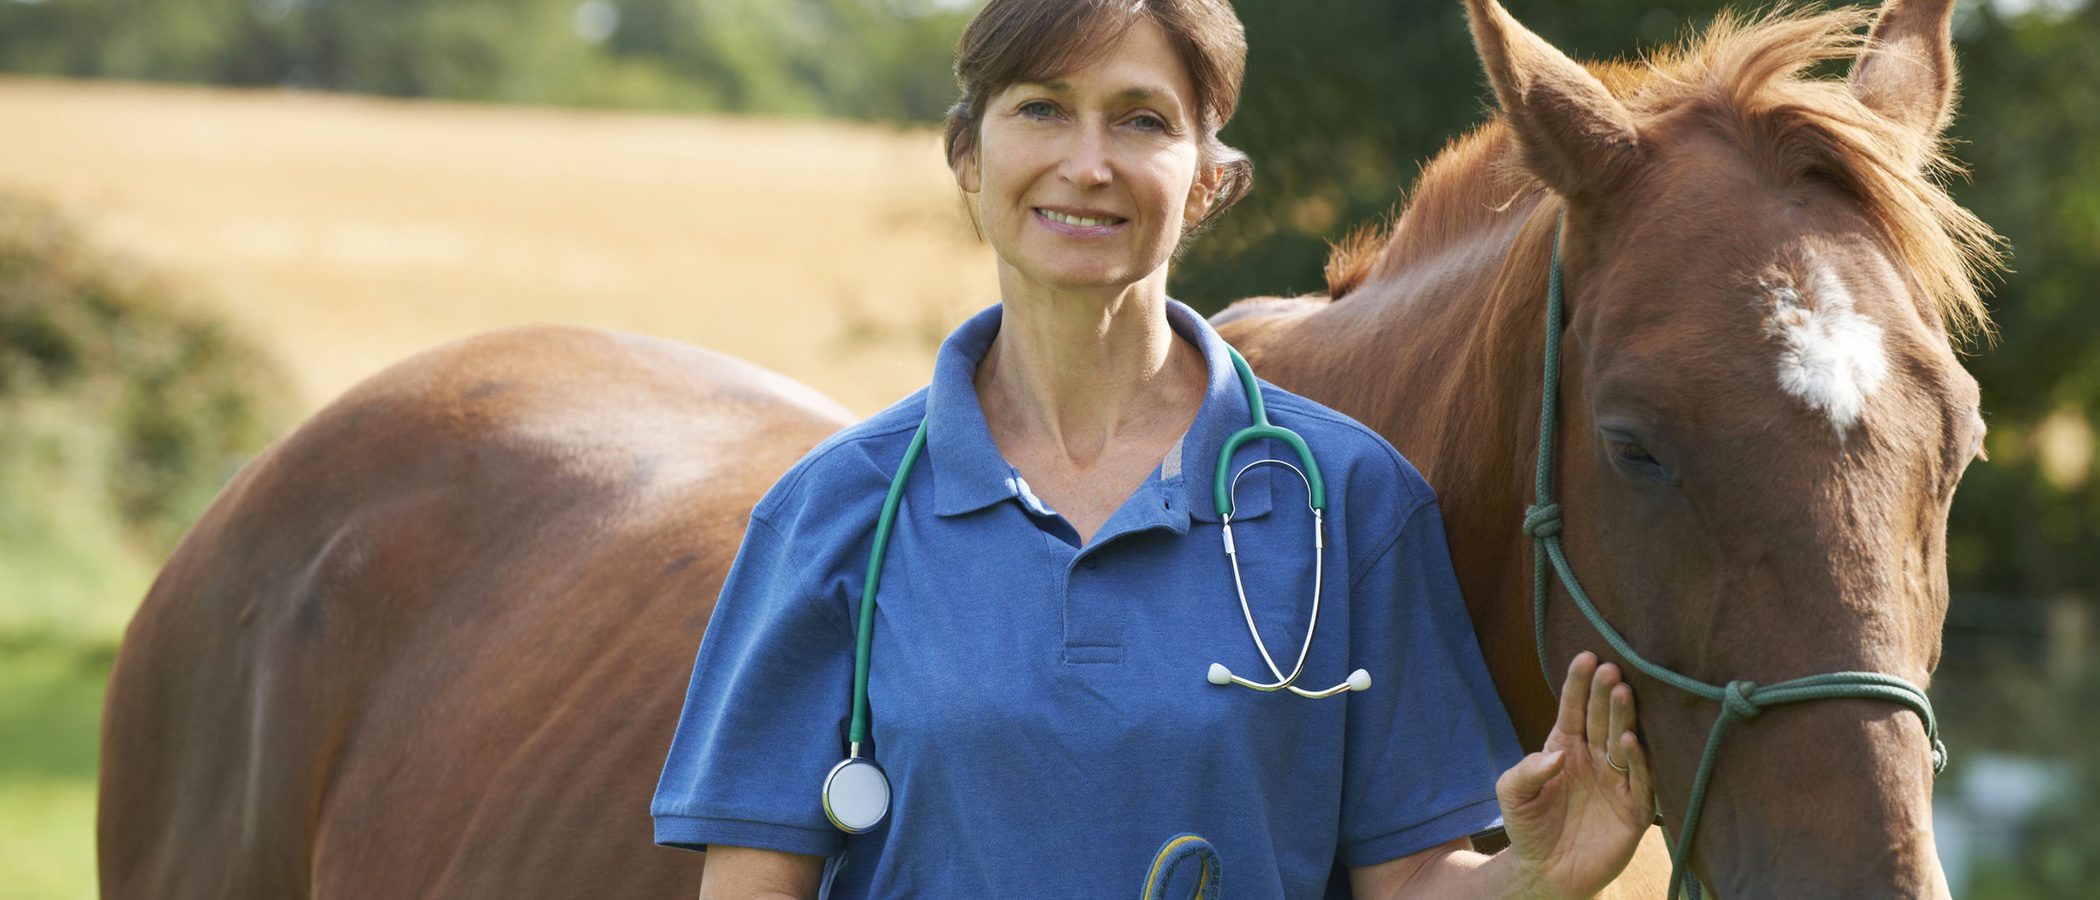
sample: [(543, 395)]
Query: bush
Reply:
[(114, 390)]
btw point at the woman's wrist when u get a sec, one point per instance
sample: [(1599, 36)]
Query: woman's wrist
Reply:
[(1521, 881)]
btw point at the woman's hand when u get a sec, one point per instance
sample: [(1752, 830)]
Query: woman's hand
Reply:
[(1574, 820)]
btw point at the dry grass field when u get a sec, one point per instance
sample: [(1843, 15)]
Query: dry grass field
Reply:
[(348, 232)]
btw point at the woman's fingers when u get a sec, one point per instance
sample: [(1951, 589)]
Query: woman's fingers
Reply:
[(1621, 720), (1597, 723), (1627, 744), (1575, 697), (1524, 780), (1636, 760)]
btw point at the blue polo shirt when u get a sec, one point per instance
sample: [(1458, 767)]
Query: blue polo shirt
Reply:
[(1041, 707)]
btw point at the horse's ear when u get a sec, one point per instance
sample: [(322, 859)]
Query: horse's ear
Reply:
[(1906, 71), (1576, 136)]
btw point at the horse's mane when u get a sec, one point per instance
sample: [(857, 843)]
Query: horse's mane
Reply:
[(1753, 81)]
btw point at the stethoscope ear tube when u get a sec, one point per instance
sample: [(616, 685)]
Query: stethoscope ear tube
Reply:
[(1220, 675), (1223, 490)]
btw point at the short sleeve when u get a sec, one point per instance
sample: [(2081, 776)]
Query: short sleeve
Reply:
[(765, 712), (1425, 745)]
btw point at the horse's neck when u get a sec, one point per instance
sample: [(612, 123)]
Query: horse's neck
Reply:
[(1441, 355)]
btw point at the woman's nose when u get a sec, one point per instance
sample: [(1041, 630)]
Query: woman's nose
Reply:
[(1086, 158)]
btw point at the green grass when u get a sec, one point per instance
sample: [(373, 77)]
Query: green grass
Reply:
[(70, 576), (50, 711), (65, 593)]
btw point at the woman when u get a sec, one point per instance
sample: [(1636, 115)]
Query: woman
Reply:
[(1052, 592)]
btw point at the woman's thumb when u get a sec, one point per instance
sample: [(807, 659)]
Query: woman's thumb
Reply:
[(1524, 780)]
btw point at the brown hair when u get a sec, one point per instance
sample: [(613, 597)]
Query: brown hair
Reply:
[(1012, 41)]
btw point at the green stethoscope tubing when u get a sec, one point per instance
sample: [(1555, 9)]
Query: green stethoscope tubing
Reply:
[(865, 641), (857, 733)]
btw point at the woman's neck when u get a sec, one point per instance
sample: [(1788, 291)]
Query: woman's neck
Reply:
[(1073, 373)]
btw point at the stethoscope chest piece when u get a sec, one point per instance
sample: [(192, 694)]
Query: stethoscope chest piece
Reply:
[(856, 795)]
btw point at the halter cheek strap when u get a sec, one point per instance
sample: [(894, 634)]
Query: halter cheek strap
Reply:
[(1740, 701)]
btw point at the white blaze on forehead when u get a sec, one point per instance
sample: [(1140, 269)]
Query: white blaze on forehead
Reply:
[(1830, 356)]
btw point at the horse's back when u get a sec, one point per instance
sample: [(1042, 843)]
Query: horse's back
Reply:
[(434, 641)]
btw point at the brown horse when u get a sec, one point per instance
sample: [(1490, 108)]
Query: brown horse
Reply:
[(434, 641), (1762, 422)]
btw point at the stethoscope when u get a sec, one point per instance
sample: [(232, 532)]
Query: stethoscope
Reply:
[(857, 793)]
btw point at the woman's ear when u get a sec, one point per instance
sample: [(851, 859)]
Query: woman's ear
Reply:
[(966, 176), (1203, 192)]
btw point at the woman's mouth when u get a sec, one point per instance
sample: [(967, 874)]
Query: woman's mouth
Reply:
[(1079, 224)]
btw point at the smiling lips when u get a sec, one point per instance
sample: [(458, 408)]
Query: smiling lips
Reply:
[(1080, 223)]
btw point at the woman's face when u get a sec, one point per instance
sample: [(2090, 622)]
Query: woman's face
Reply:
[(1085, 180)]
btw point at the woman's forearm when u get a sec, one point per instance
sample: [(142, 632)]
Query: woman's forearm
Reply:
[(1466, 874), (742, 873), (1479, 875)]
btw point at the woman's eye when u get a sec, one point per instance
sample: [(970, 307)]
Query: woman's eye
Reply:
[(1149, 122), (1038, 109)]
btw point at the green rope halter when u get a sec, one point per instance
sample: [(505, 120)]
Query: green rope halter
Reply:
[(1740, 700)]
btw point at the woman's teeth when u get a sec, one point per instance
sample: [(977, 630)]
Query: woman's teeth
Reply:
[(1079, 221)]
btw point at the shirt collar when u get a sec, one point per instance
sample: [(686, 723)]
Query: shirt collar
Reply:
[(969, 474)]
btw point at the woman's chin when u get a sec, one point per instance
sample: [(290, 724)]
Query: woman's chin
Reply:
[(1090, 275)]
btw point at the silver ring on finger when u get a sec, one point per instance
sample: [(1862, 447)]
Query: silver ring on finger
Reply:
[(1615, 764)]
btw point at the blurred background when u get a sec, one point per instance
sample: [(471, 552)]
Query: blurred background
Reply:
[(215, 215)]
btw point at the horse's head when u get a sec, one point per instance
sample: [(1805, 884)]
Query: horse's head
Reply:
[(1762, 421)]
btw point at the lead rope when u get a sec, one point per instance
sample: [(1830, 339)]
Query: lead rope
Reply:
[(1740, 700)]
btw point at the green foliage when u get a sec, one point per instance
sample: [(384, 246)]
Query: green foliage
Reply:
[(2027, 521), (872, 59), (1342, 106), (124, 411), (2059, 854)]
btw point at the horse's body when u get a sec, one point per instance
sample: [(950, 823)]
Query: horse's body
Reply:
[(434, 642)]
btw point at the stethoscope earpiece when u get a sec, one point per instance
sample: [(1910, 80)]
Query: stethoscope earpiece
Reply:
[(1359, 680)]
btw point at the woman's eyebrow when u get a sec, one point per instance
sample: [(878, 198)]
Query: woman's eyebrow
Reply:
[(1151, 95), (1134, 94)]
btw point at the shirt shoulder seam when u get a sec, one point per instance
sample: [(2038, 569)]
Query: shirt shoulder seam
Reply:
[(1385, 547), (792, 480)]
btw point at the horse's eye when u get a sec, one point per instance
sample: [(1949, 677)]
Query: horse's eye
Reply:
[(1633, 454), (1635, 461)]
